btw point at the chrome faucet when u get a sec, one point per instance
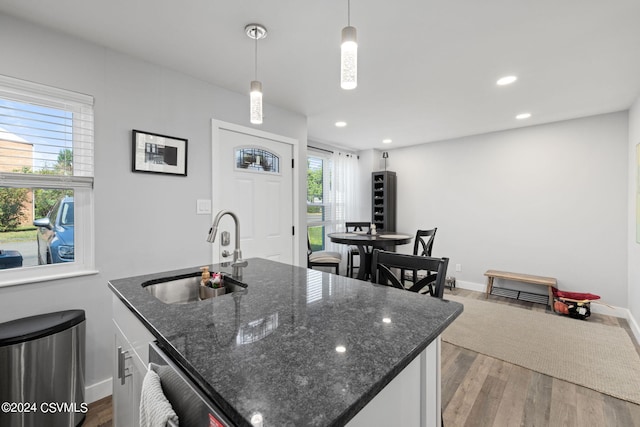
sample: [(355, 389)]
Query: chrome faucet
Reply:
[(238, 262)]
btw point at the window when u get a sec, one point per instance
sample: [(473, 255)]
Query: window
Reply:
[(333, 196), (257, 159), (46, 182), (318, 198)]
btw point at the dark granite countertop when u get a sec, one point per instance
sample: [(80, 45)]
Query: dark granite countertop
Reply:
[(271, 348)]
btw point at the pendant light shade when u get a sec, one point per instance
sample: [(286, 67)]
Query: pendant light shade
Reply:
[(349, 59), (349, 55), (256, 32), (255, 96)]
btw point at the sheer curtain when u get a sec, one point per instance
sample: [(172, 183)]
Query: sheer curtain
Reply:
[(346, 197)]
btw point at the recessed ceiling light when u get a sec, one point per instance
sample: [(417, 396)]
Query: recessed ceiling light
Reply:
[(387, 141), (523, 116), (341, 124), (386, 320), (506, 80), (341, 349)]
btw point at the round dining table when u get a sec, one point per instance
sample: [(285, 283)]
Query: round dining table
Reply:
[(367, 242)]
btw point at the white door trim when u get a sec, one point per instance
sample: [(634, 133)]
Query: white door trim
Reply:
[(216, 179)]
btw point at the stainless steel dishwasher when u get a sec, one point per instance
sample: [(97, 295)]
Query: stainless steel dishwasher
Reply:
[(189, 403)]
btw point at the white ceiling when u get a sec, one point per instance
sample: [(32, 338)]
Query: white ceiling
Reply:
[(427, 68)]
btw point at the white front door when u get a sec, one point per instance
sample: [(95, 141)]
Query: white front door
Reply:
[(254, 176)]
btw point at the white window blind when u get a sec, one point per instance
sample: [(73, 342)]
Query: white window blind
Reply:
[(45, 131), (46, 155)]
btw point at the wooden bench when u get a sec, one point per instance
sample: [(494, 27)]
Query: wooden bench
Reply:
[(549, 282)]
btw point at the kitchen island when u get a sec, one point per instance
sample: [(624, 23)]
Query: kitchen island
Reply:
[(298, 346)]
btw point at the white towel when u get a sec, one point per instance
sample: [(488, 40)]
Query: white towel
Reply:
[(155, 409)]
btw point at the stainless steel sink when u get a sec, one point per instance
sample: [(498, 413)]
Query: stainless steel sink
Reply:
[(186, 288)]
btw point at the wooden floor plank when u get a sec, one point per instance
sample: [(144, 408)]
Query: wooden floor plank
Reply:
[(617, 413), (537, 407), (511, 409), (448, 355), (634, 413), (563, 411), (590, 407), (456, 372), (457, 412), (486, 405), (100, 414)]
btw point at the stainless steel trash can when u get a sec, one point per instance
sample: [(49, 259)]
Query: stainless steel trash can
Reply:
[(42, 360)]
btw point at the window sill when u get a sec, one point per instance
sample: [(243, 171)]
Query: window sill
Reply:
[(47, 278)]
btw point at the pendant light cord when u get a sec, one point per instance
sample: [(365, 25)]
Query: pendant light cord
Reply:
[(349, 13), (255, 34)]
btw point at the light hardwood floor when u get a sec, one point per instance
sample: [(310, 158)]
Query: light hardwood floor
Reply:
[(478, 390), (481, 391), (100, 414)]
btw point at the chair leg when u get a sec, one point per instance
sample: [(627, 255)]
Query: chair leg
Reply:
[(337, 269), (349, 266), (353, 266)]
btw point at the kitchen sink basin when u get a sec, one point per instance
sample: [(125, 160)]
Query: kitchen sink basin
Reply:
[(186, 288)]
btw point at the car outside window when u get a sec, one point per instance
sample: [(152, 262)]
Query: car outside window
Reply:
[(55, 234)]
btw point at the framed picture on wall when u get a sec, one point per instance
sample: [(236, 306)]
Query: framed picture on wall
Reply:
[(155, 153)]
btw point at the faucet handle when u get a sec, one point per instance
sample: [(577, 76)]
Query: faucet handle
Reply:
[(237, 265), (240, 263)]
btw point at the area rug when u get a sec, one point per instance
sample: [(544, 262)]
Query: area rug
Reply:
[(592, 355)]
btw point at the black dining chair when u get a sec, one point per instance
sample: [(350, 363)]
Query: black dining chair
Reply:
[(383, 261), (352, 250), (323, 258), (422, 246)]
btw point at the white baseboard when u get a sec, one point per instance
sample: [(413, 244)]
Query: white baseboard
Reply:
[(471, 286), (610, 310), (633, 323), (98, 390), (595, 307)]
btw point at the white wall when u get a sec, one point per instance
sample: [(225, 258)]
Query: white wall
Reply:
[(549, 200), (366, 164), (634, 247), (144, 222)]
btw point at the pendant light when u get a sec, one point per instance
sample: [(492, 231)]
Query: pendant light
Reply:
[(349, 54), (256, 32)]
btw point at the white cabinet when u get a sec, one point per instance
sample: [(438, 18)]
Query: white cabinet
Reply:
[(123, 394), (410, 399), (131, 358)]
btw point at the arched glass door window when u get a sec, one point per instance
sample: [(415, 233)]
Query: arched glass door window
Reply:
[(257, 160)]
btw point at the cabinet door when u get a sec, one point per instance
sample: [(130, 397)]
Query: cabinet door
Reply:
[(131, 360), (123, 394)]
